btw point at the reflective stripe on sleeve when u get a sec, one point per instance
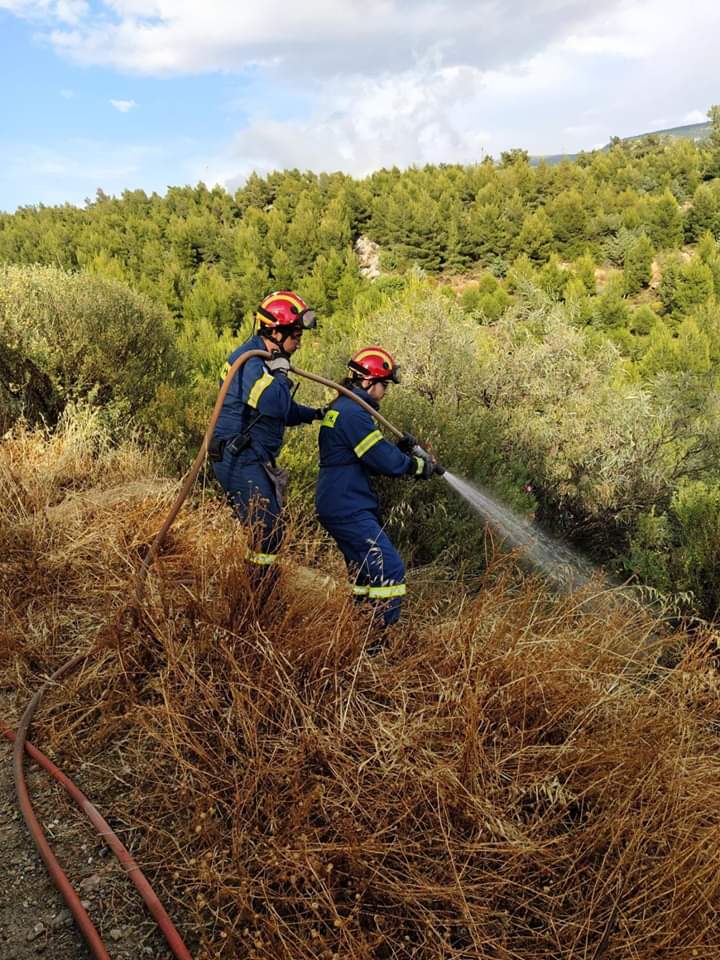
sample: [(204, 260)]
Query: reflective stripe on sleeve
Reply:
[(262, 559), (419, 466), (259, 387), (369, 441), (330, 418), (394, 590), (360, 591)]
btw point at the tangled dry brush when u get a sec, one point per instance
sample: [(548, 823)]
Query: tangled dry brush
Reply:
[(512, 779)]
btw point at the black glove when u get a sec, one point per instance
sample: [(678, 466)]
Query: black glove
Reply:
[(424, 464), (279, 364), (321, 411), (406, 443)]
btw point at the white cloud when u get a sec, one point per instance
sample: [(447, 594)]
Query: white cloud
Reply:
[(372, 83), (317, 36), (69, 12), (123, 105), (695, 116), (566, 97), (608, 45)]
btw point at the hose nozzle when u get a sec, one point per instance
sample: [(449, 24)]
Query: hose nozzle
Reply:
[(421, 452)]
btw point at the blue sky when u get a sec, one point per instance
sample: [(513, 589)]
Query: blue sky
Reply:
[(121, 94)]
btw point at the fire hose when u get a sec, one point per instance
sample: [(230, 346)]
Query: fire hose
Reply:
[(56, 872)]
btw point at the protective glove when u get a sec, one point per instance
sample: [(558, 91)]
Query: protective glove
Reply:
[(424, 463), (321, 411), (279, 363), (406, 443)]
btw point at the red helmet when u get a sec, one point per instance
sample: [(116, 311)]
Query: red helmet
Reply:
[(284, 309), (374, 363)]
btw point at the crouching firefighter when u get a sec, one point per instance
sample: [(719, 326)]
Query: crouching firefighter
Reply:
[(352, 451), (251, 426)]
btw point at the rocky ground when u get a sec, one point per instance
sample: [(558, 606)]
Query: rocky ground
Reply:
[(34, 920)]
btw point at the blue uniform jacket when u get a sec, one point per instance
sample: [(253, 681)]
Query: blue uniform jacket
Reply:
[(352, 450), (254, 391)]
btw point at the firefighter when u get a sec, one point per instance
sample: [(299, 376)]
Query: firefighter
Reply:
[(250, 428), (352, 451)]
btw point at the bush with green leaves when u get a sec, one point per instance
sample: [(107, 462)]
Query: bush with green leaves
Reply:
[(82, 335), (678, 550)]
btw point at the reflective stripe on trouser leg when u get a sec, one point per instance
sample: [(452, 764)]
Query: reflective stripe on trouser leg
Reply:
[(386, 591), (261, 559), (372, 557)]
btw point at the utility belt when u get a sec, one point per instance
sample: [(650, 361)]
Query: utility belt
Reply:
[(217, 448), (234, 446)]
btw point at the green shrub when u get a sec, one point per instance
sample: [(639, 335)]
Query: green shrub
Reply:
[(84, 335), (696, 508)]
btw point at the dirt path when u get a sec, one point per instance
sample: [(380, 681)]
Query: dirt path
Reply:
[(34, 920)]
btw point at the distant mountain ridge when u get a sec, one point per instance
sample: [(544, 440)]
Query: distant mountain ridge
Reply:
[(690, 131)]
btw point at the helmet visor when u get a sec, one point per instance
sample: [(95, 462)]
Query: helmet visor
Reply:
[(308, 319)]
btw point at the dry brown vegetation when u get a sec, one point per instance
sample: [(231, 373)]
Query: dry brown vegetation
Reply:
[(513, 778)]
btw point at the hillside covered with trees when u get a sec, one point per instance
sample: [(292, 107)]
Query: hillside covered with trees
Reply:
[(559, 328)]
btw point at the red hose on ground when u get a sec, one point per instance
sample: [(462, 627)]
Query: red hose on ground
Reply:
[(118, 848), (36, 831), (54, 869), (56, 872)]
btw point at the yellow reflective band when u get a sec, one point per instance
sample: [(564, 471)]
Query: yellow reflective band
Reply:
[(360, 591), (395, 590), (370, 440), (420, 465), (330, 418), (225, 372), (263, 559), (282, 298), (259, 387)]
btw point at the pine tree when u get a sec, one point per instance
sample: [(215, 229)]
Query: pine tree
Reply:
[(211, 298), (553, 278), (301, 242), (686, 286), (579, 304), (692, 348), (610, 311), (584, 270), (252, 283), (665, 225), (455, 257), (703, 215), (536, 237), (661, 354), (712, 163), (283, 270), (568, 218), (256, 193), (638, 264)]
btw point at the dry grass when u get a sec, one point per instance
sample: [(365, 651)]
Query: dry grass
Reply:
[(504, 782)]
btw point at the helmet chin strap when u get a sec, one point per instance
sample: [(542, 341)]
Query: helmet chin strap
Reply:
[(278, 341)]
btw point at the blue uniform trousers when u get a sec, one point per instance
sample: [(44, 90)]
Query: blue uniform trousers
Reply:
[(374, 565), (253, 497)]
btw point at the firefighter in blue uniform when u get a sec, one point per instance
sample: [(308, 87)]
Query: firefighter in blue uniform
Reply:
[(251, 426), (352, 451)]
